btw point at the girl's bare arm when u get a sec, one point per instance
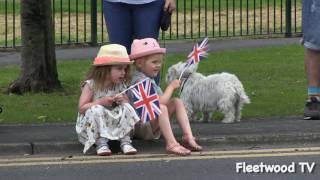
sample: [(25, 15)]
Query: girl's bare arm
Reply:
[(85, 101), (164, 99)]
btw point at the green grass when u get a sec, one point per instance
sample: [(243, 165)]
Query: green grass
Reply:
[(273, 78), (39, 108)]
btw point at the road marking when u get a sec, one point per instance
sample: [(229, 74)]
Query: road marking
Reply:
[(205, 153), (35, 161)]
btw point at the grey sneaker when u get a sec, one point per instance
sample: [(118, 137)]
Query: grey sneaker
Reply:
[(128, 149), (103, 151), (312, 109)]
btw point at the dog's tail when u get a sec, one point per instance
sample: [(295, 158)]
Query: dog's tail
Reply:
[(243, 98)]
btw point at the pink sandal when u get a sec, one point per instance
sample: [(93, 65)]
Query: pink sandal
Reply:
[(191, 144), (178, 150)]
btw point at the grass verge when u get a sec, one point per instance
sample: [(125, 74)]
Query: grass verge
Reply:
[(273, 78)]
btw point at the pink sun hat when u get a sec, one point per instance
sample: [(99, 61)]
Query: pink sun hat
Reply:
[(145, 47), (112, 54)]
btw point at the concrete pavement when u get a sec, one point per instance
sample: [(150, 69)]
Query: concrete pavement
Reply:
[(62, 139)]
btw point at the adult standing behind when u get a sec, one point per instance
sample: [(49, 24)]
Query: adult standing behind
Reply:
[(134, 19), (311, 42)]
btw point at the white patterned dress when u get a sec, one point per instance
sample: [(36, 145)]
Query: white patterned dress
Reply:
[(99, 121)]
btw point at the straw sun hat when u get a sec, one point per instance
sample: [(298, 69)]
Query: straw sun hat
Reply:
[(112, 54)]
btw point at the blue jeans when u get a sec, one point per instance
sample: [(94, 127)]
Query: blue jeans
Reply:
[(126, 22), (311, 24)]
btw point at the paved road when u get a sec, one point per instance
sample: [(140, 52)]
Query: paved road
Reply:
[(208, 165)]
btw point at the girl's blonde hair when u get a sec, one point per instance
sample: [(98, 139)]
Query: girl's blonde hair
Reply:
[(99, 74)]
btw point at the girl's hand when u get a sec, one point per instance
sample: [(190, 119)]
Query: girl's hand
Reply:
[(106, 101), (121, 99), (175, 84), (165, 98), (169, 5)]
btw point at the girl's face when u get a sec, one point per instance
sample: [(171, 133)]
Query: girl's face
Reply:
[(151, 65), (117, 73)]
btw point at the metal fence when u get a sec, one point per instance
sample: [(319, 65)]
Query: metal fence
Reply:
[(82, 21)]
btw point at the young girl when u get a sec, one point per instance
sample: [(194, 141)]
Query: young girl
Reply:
[(148, 58), (104, 115)]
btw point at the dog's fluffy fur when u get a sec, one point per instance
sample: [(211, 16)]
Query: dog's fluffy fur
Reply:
[(221, 92)]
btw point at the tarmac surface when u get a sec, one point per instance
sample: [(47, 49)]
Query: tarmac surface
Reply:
[(62, 138)]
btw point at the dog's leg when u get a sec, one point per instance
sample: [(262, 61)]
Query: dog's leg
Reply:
[(228, 117), (190, 113), (205, 117), (193, 117), (229, 114), (238, 106), (238, 113), (226, 106)]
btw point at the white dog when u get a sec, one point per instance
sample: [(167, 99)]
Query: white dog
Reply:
[(221, 92)]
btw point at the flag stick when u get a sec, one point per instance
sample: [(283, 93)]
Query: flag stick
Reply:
[(203, 45), (132, 86), (182, 73)]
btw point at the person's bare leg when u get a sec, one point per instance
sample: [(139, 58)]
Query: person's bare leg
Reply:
[(165, 126), (312, 67), (171, 143), (176, 105)]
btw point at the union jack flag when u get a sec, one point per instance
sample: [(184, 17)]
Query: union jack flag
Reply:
[(198, 53), (146, 101)]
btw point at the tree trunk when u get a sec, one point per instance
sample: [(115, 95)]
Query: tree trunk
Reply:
[(38, 68)]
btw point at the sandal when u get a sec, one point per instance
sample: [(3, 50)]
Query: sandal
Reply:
[(178, 150), (191, 144)]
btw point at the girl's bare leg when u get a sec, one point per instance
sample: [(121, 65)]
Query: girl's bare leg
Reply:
[(176, 105), (172, 146)]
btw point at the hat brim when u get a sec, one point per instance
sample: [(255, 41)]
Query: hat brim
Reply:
[(146, 53), (107, 60), (113, 63)]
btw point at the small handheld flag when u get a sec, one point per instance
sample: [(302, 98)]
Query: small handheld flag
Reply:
[(198, 53), (146, 101)]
